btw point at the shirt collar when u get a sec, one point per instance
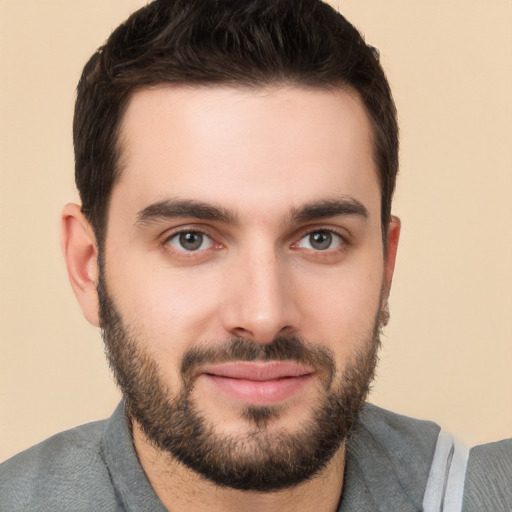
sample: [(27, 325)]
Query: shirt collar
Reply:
[(131, 485)]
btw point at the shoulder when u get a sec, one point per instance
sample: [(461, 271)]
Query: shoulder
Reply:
[(489, 477), (399, 434), (56, 473), (388, 461)]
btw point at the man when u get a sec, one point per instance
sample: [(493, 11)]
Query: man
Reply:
[(236, 162)]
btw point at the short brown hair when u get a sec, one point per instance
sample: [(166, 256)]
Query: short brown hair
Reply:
[(251, 43)]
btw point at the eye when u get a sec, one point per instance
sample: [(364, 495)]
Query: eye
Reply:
[(321, 240), (190, 241)]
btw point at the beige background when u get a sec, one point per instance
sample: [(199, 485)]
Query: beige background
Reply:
[(448, 349)]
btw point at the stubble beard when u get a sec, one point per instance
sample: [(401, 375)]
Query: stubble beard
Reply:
[(263, 458)]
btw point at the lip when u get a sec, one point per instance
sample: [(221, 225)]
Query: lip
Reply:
[(258, 383)]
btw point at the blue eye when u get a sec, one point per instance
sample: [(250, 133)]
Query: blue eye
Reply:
[(321, 240), (190, 241)]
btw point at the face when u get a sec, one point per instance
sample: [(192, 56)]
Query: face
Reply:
[(243, 276)]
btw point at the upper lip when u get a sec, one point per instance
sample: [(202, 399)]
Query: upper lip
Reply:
[(257, 370)]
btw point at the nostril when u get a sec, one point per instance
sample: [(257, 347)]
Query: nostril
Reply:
[(287, 330), (241, 332)]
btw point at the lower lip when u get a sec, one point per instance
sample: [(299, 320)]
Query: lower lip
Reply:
[(255, 392)]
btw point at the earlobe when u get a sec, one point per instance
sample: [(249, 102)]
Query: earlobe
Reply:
[(81, 253), (391, 250)]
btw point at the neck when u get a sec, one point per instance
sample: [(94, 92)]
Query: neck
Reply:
[(182, 490)]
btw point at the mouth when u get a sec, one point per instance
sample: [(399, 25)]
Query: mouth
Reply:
[(258, 383)]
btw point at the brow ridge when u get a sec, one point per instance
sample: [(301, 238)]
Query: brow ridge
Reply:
[(190, 208), (346, 206), (176, 208)]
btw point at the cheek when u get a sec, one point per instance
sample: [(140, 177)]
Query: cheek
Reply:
[(172, 308), (168, 315), (339, 308)]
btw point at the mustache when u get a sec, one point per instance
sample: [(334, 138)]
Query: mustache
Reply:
[(282, 348)]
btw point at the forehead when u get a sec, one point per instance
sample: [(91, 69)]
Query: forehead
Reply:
[(269, 149)]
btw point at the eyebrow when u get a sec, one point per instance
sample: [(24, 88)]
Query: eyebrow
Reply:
[(189, 208), (346, 206), (176, 208)]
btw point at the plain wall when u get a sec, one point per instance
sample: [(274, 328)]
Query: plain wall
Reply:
[(448, 350)]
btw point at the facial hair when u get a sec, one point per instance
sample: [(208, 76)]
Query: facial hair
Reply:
[(262, 459)]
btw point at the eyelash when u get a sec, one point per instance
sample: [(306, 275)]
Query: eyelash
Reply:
[(327, 255), (166, 242), (306, 232)]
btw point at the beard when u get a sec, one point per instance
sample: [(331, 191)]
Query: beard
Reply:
[(263, 458)]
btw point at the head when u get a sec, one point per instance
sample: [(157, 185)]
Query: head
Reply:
[(251, 44), (236, 162)]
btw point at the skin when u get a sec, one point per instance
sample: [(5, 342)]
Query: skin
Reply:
[(260, 156)]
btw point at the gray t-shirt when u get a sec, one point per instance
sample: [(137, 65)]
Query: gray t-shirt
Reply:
[(94, 468), (489, 478)]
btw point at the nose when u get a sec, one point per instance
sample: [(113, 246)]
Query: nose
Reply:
[(260, 302)]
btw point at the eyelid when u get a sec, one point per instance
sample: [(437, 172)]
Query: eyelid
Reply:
[(213, 235), (310, 229), (337, 240), (176, 237), (168, 235)]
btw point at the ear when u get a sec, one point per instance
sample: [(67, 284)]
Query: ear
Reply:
[(81, 254), (391, 250)]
